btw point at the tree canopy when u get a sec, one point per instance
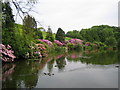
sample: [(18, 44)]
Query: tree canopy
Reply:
[(49, 35), (60, 35)]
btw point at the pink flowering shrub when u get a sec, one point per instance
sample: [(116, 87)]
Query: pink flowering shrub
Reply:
[(59, 56), (87, 44), (74, 44), (49, 43), (6, 53), (73, 56), (75, 41), (41, 50), (58, 42)]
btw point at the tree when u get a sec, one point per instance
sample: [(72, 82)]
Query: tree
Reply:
[(29, 25), (39, 34), (7, 24), (49, 35), (111, 41), (22, 7), (60, 35)]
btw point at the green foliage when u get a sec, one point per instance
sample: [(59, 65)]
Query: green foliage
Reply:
[(59, 49), (70, 46), (78, 47), (60, 35), (119, 44), (74, 34), (21, 43), (67, 38), (7, 24), (39, 34), (49, 35), (110, 41), (29, 25), (38, 41), (102, 33), (13, 34)]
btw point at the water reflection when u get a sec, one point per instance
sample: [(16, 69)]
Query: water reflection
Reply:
[(31, 74), (7, 71), (50, 65)]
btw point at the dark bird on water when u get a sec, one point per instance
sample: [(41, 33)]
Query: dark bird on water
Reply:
[(117, 66)]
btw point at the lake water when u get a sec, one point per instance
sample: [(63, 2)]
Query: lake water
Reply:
[(88, 69)]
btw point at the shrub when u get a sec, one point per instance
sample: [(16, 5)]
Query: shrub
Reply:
[(77, 47), (70, 46), (7, 53), (76, 41), (49, 43), (58, 42), (60, 35), (87, 44), (59, 49), (41, 50)]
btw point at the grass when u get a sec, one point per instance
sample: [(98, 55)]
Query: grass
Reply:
[(44, 35)]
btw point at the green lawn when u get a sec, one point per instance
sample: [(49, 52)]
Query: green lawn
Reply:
[(44, 35)]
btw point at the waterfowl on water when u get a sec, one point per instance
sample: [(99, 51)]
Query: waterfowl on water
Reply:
[(45, 73), (117, 66)]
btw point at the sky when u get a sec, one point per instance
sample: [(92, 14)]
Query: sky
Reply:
[(75, 14)]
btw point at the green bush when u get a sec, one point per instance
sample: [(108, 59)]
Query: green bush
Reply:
[(77, 47), (70, 46), (38, 41), (87, 47), (59, 49)]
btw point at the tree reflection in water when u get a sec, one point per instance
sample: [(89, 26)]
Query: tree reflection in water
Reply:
[(61, 63), (7, 69), (24, 74)]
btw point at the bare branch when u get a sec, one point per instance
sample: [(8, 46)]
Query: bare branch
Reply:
[(22, 11)]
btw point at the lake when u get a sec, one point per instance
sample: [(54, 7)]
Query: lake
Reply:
[(88, 69)]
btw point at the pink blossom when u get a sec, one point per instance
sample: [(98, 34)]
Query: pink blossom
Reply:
[(59, 56), (8, 46), (2, 46), (75, 41), (58, 42), (87, 43), (46, 41), (0, 50), (74, 56), (7, 53)]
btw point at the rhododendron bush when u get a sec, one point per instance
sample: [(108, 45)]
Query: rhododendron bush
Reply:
[(6, 53), (75, 41), (74, 44), (49, 43), (58, 42), (41, 50)]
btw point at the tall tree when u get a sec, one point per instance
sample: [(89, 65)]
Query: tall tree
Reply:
[(7, 24), (39, 34), (60, 35), (29, 25), (49, 35)]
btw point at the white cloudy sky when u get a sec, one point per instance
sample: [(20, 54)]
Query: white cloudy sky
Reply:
[(76, 14)]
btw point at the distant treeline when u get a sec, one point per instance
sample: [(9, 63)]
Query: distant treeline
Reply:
[(109, 35)]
